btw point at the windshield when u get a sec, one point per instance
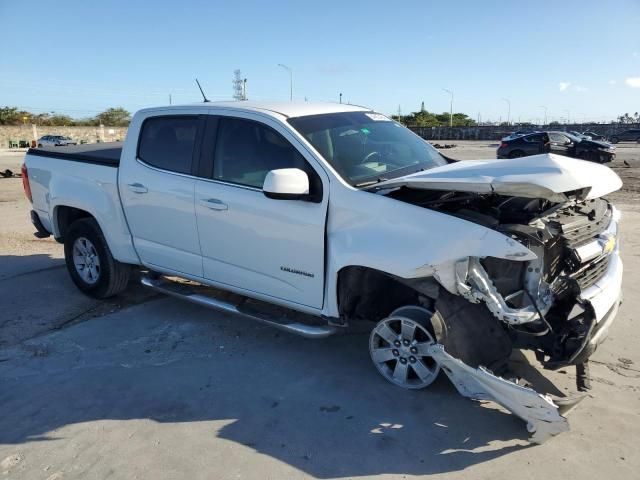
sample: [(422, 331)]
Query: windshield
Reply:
[(367, 147), (573, 137)]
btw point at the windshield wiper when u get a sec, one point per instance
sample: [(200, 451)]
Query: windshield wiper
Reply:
[(370, 182)]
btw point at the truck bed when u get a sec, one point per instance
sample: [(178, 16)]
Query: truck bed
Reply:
[(98, 153)]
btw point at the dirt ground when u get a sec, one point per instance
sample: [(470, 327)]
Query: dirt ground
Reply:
[(144, 386)]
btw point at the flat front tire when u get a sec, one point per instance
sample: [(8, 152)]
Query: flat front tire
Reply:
[(90, 263)]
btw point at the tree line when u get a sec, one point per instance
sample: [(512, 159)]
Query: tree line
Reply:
[(424, 118), (113, 117)]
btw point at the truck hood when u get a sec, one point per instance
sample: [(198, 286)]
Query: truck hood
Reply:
[(546, 176)]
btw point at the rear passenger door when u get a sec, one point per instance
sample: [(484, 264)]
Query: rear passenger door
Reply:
[(272, 248), (156, 187), (534, 144)]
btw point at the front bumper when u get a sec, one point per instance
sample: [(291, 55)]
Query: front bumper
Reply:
[(604, 299)]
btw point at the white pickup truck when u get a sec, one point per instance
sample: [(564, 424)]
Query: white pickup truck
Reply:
[(311, 216)]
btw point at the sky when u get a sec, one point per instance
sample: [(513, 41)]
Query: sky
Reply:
[(580, 59)]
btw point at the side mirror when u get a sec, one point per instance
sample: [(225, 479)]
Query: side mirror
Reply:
[(286, 184)]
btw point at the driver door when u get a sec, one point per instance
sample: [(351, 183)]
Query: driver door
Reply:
[(271, 247)]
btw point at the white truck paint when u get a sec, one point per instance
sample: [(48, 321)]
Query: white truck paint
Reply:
[(285, 245)]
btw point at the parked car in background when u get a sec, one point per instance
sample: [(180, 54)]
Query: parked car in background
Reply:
[(631, 135), (524, 145), (561, 143), (595, 136), (55, 141)]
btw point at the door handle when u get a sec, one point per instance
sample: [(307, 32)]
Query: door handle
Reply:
[(215, 204), (137, 188)]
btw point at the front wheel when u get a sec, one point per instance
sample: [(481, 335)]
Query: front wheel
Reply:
[(90, 263), (399, 345)]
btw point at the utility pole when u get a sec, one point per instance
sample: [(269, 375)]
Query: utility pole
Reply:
[(399, 114), (568, 116), (244, 89), (290, 80), (170, 100), (545, 114), (508, 111), (450, 107)]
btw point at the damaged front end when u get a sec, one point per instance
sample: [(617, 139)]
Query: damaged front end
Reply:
[(559, 305)]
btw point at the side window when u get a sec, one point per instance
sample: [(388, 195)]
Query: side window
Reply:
[(168, 142), (533, 138), (246, 151), (556, 137)]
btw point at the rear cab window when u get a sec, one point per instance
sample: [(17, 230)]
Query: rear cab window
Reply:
[(168, 142)]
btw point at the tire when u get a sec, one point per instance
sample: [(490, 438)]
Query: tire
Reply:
[(398, 346), (39, 145), (102, 276), (467, 331), (516, 154), (615, 140)]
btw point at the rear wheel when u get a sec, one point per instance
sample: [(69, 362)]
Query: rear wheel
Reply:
[(90, 263)]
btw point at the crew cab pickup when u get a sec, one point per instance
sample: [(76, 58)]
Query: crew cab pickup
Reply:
[(312, 216)]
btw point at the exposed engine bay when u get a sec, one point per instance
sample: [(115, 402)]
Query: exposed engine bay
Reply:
[(540, 305), (538, 301)]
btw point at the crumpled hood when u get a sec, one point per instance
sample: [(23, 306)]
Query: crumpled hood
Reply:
[(545, 176)]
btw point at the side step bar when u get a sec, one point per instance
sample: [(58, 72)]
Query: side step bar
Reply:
[(182, 291)]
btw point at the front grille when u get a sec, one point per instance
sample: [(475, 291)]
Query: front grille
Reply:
[(591, 273), (576, 226), (579, 226)]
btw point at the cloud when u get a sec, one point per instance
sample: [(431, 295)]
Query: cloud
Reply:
[(633, 82), (564, 86), (612, 82)]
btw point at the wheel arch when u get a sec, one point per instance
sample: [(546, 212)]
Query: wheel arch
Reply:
[(63, 218), (365, 293)]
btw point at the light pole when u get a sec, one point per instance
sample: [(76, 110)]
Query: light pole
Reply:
[(288, 69), (450, 107), (545, 114), (568, 116), (508, 111), (340, 98)]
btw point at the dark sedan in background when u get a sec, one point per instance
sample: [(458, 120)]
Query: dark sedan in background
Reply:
[(631, 135), (561, 143)]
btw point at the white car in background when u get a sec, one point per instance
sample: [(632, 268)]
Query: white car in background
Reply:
[(55, 141)]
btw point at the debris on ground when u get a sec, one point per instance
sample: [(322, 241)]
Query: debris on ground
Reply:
[(446, 145)]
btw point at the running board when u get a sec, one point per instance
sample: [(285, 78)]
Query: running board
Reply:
[(182, 291)]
